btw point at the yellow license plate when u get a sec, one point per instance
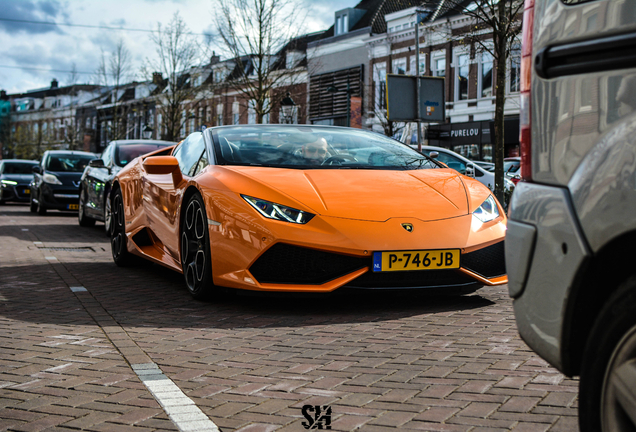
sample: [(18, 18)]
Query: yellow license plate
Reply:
[(73, 206), (27, 191), (436, 259)]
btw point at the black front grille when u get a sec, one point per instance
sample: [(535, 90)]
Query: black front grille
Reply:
[(411, 279), (488, 262), (287, 264)]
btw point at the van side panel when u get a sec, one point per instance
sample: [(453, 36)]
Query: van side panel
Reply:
[(603, 187), (571, 113)]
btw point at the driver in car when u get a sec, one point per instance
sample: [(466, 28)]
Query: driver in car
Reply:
[(315, 152)]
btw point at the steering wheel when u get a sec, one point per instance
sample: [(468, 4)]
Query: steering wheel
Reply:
[(331, 160)]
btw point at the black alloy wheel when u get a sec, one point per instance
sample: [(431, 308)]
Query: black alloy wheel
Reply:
[(84, 220), (118, 240), (608, 371), (195, 249), (107, 215)]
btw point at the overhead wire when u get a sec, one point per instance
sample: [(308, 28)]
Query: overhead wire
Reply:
[(90, 26)]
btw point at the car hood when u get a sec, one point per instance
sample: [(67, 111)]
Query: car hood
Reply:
[(21, 179), (373, 195), (71, 179)]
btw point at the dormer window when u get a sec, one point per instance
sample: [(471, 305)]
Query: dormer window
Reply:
[(346, 19), (342, 24)]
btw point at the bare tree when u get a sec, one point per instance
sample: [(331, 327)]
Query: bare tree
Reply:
[(114, 71), (495, 28), (177, 51), (253, 32)]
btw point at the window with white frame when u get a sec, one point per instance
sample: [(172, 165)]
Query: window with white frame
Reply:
[(438, 64), (515, 68), (251, 112), (192, 122), (379, 80), (485, 75), (159, 125), (461, 76), (422, 64), (235, 113), (219, 114), (399, 66)]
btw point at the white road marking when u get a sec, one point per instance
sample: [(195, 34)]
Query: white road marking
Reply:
[(25, 229), (78, 289), (51, 258), (180, 408)]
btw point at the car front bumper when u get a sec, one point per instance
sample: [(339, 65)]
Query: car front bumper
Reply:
[(545, 249), (18, 193), (59, 197)]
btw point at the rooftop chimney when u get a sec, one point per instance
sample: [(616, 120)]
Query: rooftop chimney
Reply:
[(215, 58), (3, 95), (157, 78), (54, 84)]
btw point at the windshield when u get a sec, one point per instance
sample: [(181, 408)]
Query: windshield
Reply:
[(307, 147), (511, 166), (17, 168), (126, 153), (68, 162)]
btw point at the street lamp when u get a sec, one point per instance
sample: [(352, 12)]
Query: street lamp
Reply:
[(288, 107), (148, 132)]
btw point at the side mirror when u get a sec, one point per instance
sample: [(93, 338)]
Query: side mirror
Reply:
[(96, 163), (36, 169), (433, 155), (163, 165), (470, 171)]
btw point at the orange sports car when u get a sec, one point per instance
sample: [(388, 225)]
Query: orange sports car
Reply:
[(307, 209)]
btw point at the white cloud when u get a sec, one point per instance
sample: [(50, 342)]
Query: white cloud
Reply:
[(58, 47)]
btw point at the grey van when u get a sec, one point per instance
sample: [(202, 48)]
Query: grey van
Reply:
[(571, 240)]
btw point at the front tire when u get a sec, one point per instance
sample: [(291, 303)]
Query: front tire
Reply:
[(84, 220), (608, 372), (195, 249), (41, 208), (118, 239)]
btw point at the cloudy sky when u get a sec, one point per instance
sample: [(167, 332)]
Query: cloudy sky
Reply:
[(32, 54)]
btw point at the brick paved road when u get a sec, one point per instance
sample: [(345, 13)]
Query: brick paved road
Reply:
[(250, 363)]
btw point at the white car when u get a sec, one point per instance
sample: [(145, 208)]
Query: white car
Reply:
[(466, 166)]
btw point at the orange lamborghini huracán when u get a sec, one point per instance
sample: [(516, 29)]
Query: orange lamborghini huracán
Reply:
[(306, 209)]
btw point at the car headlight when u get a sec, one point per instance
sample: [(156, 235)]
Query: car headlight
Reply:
[(9, 182), (488, 210), (278, 212), (51, 179)]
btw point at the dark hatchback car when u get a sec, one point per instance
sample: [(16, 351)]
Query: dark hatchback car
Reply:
[(56, 180), (15, 176), (99, 174)]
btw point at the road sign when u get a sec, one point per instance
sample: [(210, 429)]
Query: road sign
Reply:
[(401, 95)]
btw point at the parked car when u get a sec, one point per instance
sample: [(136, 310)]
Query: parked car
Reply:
[(15, 176), (488, 166), (571, 233), (56, 180), (98, 176), (306, 209), (511, 168), (467, 167)]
